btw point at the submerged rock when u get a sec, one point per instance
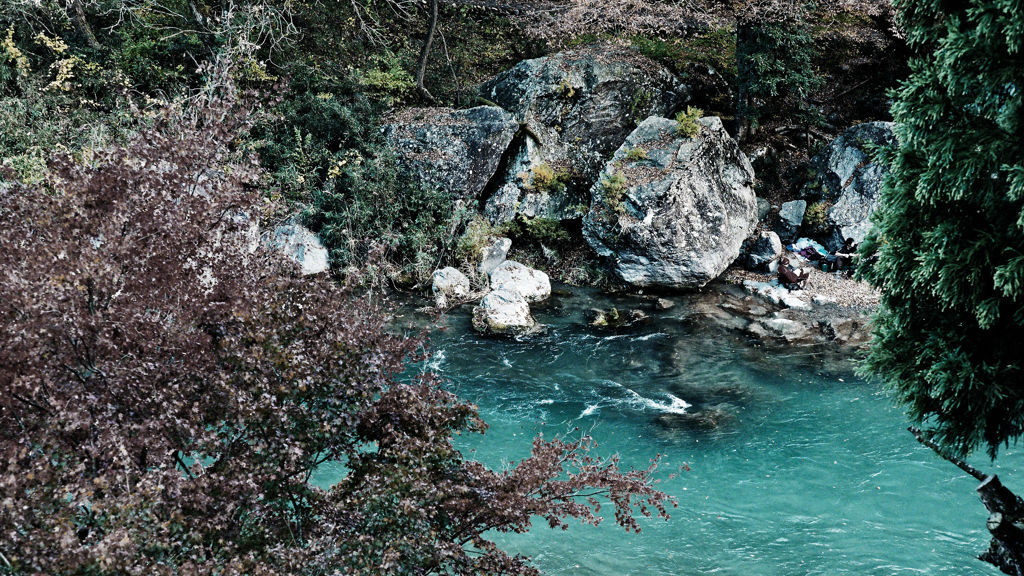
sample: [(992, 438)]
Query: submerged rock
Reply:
[(300, 245), (612, 318), (577, 107), (503, 312), (663, 304), (453, 150), (703, 420), (449, 287), (674, 215), (532, 285), (845, 176)]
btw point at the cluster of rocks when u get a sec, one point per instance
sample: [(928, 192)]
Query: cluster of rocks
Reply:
[(837, 202), (587, 135), (504, 308), (583, 134), (842, 189)]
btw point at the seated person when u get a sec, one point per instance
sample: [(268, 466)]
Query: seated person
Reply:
[(790, 278), (844, 256)]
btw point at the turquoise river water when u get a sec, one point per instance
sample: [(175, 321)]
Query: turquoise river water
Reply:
[(809, 470)]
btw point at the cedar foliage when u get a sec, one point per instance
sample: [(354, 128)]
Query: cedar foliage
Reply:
[(950, 230), (169, 387)]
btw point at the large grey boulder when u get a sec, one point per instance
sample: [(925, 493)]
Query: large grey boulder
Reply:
[(454, 150), (503, 312), (577, 107), (791, 215), (532, 285), (845, 176), (761, 249), (300, 245), (503, 205), (676, 215), (449, 286)]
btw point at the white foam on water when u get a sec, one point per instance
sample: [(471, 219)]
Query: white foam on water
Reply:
[(436, 360), (590, 410), (675, 405)]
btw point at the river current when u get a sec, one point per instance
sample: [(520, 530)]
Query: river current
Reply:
[(783, 460)]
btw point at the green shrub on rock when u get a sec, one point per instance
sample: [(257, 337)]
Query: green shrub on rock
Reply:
[(687, 121)]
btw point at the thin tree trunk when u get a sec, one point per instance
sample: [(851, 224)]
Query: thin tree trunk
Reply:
[(81, 25), (1006, 514), (742, 93), (196, 15), (428, 42)]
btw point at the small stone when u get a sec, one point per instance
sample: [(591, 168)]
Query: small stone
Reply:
[(612, 318), (763, 209), (449, 285), (663, 304)]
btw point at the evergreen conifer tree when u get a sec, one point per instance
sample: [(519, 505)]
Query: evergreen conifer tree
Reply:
[(950, 231), (949, 239)]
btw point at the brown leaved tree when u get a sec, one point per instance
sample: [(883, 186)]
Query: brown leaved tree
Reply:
[(168, 387)]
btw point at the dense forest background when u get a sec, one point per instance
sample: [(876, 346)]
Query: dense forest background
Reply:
[(79, 75)]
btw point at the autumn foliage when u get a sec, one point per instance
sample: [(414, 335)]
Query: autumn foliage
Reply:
[(169, 387)]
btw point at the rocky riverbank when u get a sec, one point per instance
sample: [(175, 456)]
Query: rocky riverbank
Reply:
[(600, 148)]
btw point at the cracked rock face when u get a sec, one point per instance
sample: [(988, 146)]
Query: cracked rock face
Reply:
[(845, 176), (672, 211), (455, 150), (577, 107)]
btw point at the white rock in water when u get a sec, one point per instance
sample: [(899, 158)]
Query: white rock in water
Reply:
[(503, 312), (300, 245), (532, 285), (448, 286)]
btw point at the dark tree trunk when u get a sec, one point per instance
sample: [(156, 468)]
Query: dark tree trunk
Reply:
[(743, 104), (1006, 515), (81, 25), (428, 42)]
